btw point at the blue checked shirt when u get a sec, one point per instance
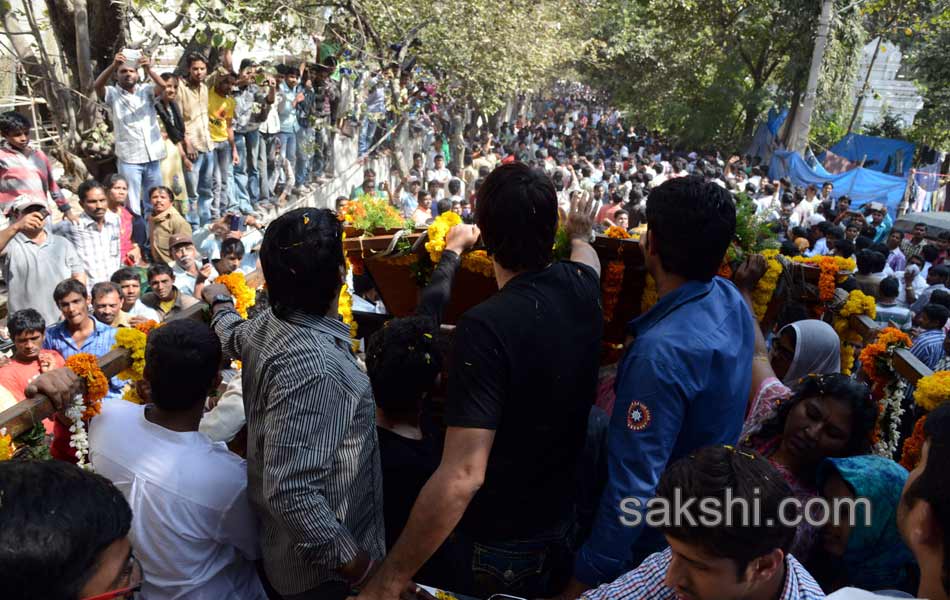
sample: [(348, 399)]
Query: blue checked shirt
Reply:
[(646, 581)]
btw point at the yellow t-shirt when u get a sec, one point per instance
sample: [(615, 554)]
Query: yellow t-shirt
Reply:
[(167, 305), (220, 111)]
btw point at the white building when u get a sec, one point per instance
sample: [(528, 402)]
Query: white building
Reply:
[(889, 88)]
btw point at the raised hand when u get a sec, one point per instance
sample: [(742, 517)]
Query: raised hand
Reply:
[(580, 221)]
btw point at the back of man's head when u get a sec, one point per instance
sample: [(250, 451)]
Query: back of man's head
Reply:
[(691, 222), (301, 256), (927, 532), (889, 288), (56, 521), (182, 359), (936, 316), (930, 252), (517, 214), (403, 362), (714, 474)]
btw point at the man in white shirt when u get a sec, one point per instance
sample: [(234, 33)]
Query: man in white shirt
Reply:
[(192, 525), (439, 172), (139, 147), (806, 207), (190, 279), (130, 288)]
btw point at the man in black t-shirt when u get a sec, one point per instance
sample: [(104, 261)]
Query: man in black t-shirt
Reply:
[(523, 379)]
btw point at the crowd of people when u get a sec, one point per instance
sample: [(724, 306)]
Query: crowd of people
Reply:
[(363, 473)]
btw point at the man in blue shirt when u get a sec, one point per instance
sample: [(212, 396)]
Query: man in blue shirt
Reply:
[(684, 381)]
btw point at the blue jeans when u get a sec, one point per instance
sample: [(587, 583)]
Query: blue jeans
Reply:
[(141, 178), (198, 182), (304, 155), (367, 132), (247, 182), (288, 150), (223, 199)]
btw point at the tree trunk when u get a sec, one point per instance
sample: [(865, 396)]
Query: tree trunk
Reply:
[(864, 87), (798, 137), (87, 112)]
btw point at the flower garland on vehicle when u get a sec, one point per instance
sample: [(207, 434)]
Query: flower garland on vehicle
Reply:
[(830, 267), (765, 288), (437, 231), (87, 405), (611, 286), (931, 392), (617, 233), (6, 445), (244, 296), (857, 304), (888, 388), (345, 307)]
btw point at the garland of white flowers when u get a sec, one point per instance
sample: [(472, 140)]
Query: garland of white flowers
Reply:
[(79, 440), (892, 409)]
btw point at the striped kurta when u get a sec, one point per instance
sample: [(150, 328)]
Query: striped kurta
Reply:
[(313, 466)]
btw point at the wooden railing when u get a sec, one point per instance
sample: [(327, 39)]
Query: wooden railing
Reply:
[(905, 363)]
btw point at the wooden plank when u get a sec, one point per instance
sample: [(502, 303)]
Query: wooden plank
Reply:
[(909, 366), (866, 327), (197, 312), (21, 417)]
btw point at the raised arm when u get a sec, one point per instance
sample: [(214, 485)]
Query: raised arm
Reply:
[(103, 79), (580, 223), (437, 294)]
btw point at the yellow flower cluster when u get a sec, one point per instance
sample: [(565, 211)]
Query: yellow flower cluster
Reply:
[(650, 296), (345, 309), (437, 232), (843, 264), (134, 341), (933, 390), (6, 445), (478, 262), (858, 304), (244, 297), (765, 289)]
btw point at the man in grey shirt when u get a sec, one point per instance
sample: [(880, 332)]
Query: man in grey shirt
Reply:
[(313, 467), (34, 260)]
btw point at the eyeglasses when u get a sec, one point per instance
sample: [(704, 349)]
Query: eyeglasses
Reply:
[(132, 573)]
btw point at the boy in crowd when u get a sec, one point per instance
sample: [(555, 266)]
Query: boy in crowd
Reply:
[(130, 287), (165, 297)]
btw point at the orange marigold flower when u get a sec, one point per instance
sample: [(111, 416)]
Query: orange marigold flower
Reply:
[(86, 366), (910, 454)]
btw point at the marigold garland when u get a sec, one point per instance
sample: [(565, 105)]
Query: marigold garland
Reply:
[(610, 287), (244, 297), (765, 288), (933, 390), (97, 386), (876, 358), (830, 267), (910, 454), (857, 304), (436, 234), (478, 261), (345, 308), (617, 233), (134, 341), (6, 445), (887, 388), (147, 326)]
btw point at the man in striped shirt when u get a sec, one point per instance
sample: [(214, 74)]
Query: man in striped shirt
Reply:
[(314, 475), (24, 170), (707, 560)]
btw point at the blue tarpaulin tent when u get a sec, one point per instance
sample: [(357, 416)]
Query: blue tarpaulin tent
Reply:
[(862, 185), (893, 157)]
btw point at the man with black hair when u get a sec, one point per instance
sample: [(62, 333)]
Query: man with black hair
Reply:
[(936, 280), (139, 147), (193, 100), (83, 552), (193, 527), (666, 408), (78, 331), (896, 260), (871, 266), (888, 310), (107, 305), (33, 261), (916, 243), (518, 400), (732, 559), (27, 330), (232, 253), (313, 457), (95, 234), (24, 170), (928, 345), (130, 288), (165, 298)]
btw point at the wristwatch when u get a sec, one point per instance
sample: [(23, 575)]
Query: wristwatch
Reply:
[(221, 298)]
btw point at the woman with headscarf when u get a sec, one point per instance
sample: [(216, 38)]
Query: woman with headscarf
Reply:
[(867, 556), (826, 416), (801, 348)]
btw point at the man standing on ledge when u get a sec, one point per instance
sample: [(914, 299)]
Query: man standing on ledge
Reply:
[(523, 379), (684, 382), (313, 470)]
